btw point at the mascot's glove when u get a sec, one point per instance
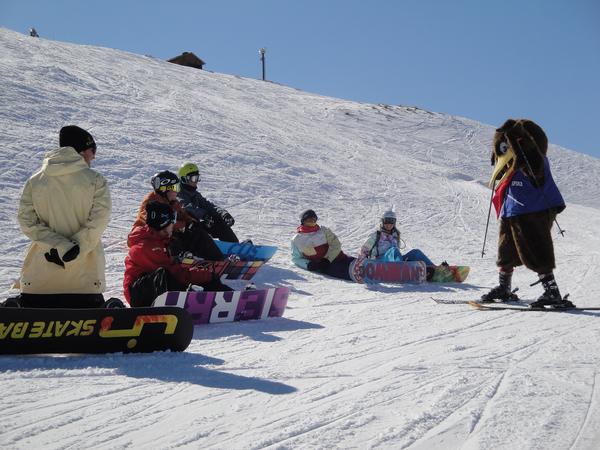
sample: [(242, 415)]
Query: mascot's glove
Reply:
[(318, 266), (228, 219)]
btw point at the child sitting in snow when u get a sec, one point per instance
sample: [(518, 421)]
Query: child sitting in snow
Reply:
[(384, 245)]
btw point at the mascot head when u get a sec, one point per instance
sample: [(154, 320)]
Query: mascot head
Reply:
[(516, 142)]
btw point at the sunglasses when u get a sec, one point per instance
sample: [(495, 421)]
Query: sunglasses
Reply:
[(193, 178), (389, 221)]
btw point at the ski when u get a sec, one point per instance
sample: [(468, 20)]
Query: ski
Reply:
[(455, 301), (525, 307)]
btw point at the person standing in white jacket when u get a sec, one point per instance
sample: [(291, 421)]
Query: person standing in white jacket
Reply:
[(64, 209)]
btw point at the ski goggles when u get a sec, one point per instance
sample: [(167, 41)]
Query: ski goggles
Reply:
[(194, 178), (169, 187), (389, 220)]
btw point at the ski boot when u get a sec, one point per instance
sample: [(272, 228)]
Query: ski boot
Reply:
[(551, 296), (499, 294)]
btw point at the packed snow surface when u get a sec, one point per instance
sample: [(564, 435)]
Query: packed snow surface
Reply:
[(347, 366)]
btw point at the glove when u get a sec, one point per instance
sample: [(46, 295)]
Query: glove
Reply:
[(71, 254), (208, 221), (52, 256), (228, 219), (191, 227), (318, 266)]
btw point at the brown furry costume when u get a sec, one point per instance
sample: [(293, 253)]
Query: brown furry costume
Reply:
[(526, 239)]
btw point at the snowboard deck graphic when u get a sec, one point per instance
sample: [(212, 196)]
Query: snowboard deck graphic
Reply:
[(371, 271), (247, 251), (94, 330), (215, 307), (232, 270), (450, 274)]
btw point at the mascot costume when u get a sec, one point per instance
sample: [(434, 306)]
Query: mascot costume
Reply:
[(527, 201)]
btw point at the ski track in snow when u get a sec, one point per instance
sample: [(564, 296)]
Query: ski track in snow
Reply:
[(348, 366)]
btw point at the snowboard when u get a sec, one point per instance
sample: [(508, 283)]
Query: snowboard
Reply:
[(450, 274), (371, 271), (505, 307), (247, 252), (215, 307), (94, 330), (232, 270)]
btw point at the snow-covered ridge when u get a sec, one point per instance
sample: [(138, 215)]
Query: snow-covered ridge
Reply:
[(347, 367)]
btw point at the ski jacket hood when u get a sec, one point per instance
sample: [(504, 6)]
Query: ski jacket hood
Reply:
[(63, 161)]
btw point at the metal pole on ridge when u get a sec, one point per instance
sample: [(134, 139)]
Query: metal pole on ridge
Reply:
[(262, 52)]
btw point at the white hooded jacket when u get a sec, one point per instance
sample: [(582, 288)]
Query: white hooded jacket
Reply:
[(63, 204)]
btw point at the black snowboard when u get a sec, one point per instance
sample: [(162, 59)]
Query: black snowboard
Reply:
[(106, 330)]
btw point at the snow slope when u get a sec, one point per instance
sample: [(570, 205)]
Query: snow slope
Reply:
[(348, 366)]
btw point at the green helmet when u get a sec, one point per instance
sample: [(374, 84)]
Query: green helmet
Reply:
[(189, 173)]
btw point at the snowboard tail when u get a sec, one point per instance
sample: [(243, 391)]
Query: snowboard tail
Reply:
[(215, 307), (94, 330), (450, 274)]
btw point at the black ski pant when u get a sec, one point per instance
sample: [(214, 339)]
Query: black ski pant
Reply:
[(220, 230), (146, 288), (197, 241), (339, 268), (61, 300)]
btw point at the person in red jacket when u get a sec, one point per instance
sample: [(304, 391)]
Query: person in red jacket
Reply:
[(188, 234), (151, 270)]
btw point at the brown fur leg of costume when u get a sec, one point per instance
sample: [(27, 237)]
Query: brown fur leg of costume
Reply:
[(532, 240)]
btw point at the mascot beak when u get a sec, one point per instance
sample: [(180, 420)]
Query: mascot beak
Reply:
[(505, 163)]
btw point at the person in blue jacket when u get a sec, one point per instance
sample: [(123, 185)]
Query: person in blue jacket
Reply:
[(526, 200)]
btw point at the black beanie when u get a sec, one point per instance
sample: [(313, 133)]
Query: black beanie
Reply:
[(78, 138), (308, 214), (159, 215)]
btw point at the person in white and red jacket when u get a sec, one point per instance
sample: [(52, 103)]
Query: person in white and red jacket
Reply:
[(318, 249)]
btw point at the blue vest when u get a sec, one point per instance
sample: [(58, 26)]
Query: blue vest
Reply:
[(522, 197)]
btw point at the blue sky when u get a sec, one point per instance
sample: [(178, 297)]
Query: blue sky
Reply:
[(485, 60)]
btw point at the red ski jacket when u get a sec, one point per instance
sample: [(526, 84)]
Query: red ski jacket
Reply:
[(148, 251)]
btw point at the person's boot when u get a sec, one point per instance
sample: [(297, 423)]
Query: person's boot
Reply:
[(114, 302), (12, 302), (551, 295), (502, 292)]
